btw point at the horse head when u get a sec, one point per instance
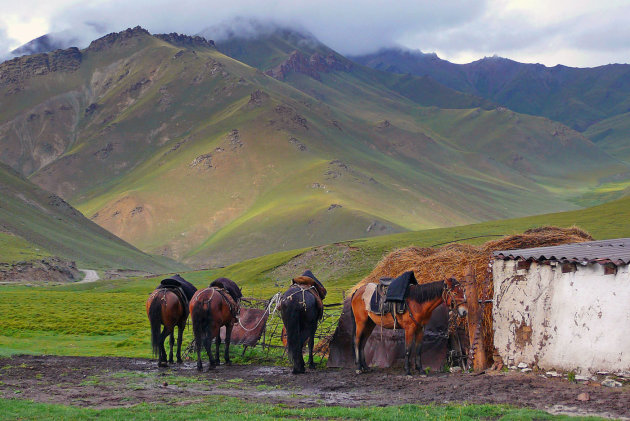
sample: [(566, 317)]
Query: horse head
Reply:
[(455, 297)]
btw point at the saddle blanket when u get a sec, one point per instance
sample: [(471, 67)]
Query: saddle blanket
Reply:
[(374, 299)]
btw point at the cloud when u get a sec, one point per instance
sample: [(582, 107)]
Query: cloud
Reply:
[(351, 26), (582, 32), (5, 44)]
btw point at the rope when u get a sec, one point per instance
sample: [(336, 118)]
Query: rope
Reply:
[(469, 238), (273, 302)]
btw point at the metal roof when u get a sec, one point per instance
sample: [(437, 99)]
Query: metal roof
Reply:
[(615, 251)]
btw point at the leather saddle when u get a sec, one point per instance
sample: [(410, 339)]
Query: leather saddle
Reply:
[(178, 291), (379, 304)]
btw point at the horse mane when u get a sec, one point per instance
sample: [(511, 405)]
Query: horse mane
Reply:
[(426, 292)]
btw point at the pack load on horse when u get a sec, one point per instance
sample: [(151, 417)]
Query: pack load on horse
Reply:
[(401, 302), (301, 308), (210, 309), (168, 305)]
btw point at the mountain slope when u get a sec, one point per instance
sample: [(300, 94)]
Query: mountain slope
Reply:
[(186, 152), (613, 136), (35, 223), (577, 97)]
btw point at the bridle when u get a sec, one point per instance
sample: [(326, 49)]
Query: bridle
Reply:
[(449, 292)]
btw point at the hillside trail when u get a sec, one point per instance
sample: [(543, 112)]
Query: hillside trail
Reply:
[(90, 276), (105, 382)]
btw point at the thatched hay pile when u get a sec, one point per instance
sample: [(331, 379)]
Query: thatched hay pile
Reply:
[(455, 260)]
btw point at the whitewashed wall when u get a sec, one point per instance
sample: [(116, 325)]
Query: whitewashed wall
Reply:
[(567, 321)]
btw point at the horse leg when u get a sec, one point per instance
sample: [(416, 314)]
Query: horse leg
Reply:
[(218, 343), (228, 336), (410, 342), (171, 341), (419, 336), (162, 360), (362, 332), (311, 344), (180, 335), (199, 342)]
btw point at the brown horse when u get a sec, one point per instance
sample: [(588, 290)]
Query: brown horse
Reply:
[(211, 308), (421, 301), (165, 307)]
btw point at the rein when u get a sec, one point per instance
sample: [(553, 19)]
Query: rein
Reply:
[(303, 290), (274, 301)]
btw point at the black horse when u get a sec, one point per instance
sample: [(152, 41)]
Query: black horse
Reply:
[(301, 308)]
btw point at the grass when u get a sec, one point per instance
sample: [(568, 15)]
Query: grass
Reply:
[(235, 409), (16, 249)]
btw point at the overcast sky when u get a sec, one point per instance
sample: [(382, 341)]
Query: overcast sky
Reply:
[(571, 32)]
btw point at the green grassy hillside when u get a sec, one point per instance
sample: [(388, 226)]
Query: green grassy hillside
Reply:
[(36, 224), (185, 152)]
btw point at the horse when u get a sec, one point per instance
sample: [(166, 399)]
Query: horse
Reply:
[(210, 309), (165, 307), (301, 309), (421, 300)]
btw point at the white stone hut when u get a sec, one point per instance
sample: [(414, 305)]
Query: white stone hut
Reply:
[(564, 307)]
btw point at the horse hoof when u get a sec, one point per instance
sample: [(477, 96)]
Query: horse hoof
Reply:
[(180, 361), (312, 366), (358, 371), (162, 364), (228, 363)]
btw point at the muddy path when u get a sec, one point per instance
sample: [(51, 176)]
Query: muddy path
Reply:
[(103, 382)]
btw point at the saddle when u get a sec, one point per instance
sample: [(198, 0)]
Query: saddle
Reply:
[(178, 291), (235, 306), (308, 282), (379, 304)]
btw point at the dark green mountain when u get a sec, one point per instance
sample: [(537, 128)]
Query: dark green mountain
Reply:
[(577, 97)]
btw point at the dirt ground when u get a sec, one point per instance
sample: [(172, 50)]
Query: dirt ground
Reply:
[(103, 382)]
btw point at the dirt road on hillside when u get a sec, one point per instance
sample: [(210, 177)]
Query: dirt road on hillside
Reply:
[(90, 276), (103, 382)]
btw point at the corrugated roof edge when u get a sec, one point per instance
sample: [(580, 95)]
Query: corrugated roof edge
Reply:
[(615, 251)]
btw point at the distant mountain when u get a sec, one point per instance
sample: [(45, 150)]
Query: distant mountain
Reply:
[(44, 222), (184, 151), (44, 44), (577, 97)]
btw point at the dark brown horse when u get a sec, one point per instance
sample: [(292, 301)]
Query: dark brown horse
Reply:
[(166, 307), (210, 309), (301, 308), (421, 301)]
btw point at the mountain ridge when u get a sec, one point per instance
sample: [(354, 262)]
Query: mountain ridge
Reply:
[(198, 156)]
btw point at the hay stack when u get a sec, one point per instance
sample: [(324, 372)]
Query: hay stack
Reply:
[(455, 260)]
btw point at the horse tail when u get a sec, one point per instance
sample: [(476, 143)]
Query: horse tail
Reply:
[(201, 321), (155, 318), (291, 320)]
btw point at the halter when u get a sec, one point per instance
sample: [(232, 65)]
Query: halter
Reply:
[(448, 292)]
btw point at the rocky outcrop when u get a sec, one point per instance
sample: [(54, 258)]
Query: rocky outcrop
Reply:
[(50, 269), (13, 73), (186, 41), (311, 66), (117, 38)]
